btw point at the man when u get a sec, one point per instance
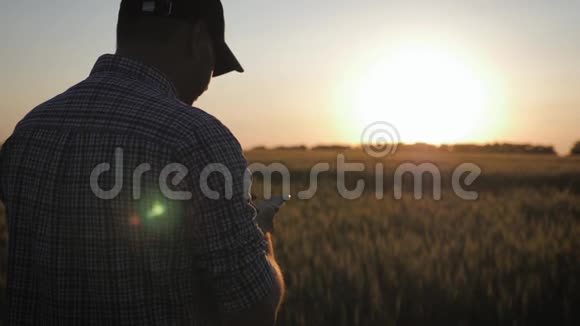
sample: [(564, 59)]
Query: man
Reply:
[(100, 232)]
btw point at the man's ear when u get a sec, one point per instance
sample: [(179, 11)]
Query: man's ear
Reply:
[(200, 41), (199, 28)]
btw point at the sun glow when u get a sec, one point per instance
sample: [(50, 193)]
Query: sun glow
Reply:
[(429, 94)]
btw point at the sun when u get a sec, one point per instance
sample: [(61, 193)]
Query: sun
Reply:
[(429, 94)]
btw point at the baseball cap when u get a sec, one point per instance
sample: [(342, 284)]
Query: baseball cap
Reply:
[(210, 11)]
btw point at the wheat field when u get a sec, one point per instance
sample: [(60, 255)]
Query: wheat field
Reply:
[(512, 257)]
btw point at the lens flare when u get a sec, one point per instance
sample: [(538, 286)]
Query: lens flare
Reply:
[(156, 211)]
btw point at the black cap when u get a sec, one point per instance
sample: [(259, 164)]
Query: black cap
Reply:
[(210, 11)]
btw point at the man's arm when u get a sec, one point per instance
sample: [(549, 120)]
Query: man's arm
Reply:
[(265, 312), (234, 256)]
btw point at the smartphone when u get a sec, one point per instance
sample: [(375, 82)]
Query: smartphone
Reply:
[(277, 202)]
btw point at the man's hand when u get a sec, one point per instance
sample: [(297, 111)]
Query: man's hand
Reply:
[(267, 210), (266, 312)]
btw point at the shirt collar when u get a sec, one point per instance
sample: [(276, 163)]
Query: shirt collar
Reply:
[(113, 63)]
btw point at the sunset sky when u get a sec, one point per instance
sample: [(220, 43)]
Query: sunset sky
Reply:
[(320, 71)]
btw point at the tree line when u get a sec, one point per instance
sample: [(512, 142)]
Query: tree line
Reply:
[(508, 148)]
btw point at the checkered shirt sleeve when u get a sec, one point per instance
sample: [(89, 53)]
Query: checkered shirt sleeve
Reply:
[(231, 248)]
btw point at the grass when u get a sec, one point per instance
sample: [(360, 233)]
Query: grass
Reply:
[(510, 258)]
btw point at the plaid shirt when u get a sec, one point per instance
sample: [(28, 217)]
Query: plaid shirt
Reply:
[(76, 259)]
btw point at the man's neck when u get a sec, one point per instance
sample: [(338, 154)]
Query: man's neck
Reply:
[(154, 58), (146, 57)]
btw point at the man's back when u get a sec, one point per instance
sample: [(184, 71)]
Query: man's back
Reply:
[(79, 255)]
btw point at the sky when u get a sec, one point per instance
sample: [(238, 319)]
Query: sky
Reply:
[(319, 72)]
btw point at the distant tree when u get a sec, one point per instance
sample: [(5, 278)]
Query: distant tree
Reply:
[(259, 148), (291, 148), (418, 147), (576, 149), (331, 148), (541, 150), (504, 148)]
